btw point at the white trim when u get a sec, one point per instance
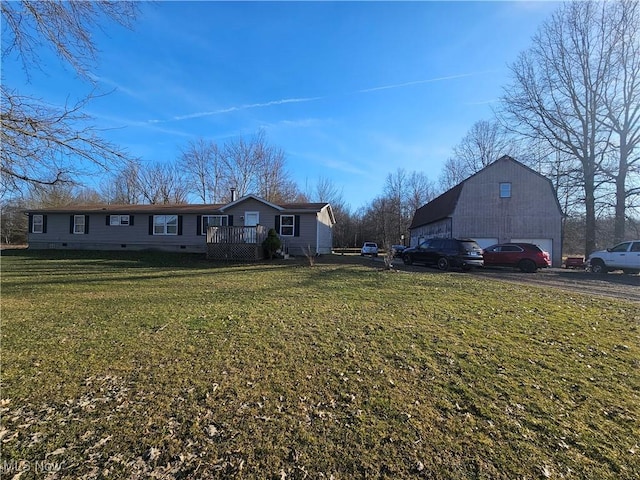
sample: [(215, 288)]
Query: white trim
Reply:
[(39, 224), (252, 212), (165, 225), (293, 225), (76, 224), (120, 222), (318, 234)]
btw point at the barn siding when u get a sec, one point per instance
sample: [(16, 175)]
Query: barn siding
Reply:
[(532, 210), (440, 229)]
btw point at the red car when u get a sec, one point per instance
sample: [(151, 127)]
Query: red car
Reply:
[(525, 256)]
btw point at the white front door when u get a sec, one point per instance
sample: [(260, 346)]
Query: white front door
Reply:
[(251, 219)]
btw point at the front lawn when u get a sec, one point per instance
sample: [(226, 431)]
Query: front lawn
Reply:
[(125, 365)]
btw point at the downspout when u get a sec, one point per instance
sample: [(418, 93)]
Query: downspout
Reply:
[(317, 233)]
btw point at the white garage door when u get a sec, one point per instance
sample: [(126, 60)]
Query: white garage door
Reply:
[(486, 242), (545, 244)]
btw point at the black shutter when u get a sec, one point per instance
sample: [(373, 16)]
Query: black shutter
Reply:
[(86, 224), (30, 223), (230, 222), (199, 225), (131, 220), (71, 224), (277, 224), (179, 224), (108, 222), (296, 228), (150, 224), (44, 224)]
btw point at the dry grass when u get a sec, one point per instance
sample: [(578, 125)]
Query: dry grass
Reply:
[(150, 365)]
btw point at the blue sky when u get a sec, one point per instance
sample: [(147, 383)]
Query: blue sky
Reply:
[(351, 91)]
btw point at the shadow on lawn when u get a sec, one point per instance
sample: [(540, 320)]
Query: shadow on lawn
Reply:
[(79, 261)]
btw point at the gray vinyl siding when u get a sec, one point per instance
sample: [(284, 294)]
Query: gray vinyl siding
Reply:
[(307, 239), (266, 213), (107, 237), (296, 245), (313, 223)]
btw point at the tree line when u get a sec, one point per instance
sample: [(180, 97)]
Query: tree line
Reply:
[(570, 111)]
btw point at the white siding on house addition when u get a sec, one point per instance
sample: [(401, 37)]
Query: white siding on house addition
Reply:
[(325, 232)]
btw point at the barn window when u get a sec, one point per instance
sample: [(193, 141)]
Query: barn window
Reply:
[(505, 190)]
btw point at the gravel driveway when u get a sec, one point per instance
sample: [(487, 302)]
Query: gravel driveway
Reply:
[(616, 284), (613, 285)]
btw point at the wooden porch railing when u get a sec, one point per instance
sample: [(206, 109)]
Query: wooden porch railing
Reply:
[(251, 235)]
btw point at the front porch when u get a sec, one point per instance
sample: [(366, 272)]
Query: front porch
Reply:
[(236, 243)]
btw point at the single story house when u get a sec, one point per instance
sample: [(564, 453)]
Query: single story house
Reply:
[(504, 202), (302, 227)]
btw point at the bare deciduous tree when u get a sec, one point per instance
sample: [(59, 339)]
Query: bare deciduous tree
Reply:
[(46, 144), (255, 166), (123, 187), (483, 144), (389, 215), (622, 107), (556, 94), (419, 190), (203, 166), (273, 182), (162, 184)]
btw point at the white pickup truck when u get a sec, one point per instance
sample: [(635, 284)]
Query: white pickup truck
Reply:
[(625, 256)]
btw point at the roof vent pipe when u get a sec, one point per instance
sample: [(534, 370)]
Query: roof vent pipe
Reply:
[(234, 194)]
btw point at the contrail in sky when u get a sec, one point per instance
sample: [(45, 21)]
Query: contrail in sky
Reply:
[(416, 82), (244, 107), (306, 99)]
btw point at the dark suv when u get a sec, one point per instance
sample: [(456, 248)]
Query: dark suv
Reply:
[(445, 253)]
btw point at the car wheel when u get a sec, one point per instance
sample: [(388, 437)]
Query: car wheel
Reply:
[(407, 260), (527, 266), (597, 266), (443, 264)]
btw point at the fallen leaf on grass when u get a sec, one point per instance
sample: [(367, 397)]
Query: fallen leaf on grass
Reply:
[(58, 451), (152, 454)]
